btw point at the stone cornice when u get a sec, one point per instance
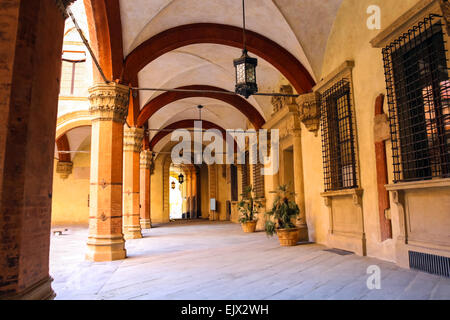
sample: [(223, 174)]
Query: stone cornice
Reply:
[(340, 72), (410, 18), (109, 102)]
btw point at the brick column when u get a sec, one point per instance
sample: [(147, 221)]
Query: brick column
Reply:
[(108, 107), (146, 162), (131, 182), (30, 72), (299, 184)]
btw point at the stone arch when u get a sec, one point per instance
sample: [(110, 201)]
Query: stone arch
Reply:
[(105, 33), (71, 121), (183, 124), (164, 99), (197, 33)]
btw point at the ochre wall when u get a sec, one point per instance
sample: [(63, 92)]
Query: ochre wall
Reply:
[(70, 196), (349, 40)]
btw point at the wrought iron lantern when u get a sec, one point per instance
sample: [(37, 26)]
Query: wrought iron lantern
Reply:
[(181, 178), (246, 75), (173, 185), (245, 67)]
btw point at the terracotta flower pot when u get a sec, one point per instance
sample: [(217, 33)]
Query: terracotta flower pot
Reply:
[(288, 237), (249, 226)]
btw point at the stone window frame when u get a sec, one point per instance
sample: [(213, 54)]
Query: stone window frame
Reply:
[(343, 73), (418, 13)]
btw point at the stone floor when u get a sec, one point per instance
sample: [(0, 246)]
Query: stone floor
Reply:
[(218, 261)]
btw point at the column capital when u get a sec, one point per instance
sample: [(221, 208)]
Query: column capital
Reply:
[(109, 102), (62, 5), (146, 159), (132, 139)]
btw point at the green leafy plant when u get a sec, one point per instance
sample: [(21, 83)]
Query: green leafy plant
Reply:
[(283, 211), (248, 206)]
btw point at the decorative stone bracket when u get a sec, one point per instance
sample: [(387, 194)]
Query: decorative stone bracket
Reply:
[(279, 102), (309, 110), (64, 169)]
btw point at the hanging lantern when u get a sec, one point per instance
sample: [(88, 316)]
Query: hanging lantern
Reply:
[(245, 67), (173, 185), (246, 75), (181, 178)]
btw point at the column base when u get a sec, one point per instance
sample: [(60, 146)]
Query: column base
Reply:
[(106, 248), (146, 224), (39, 291), (132, 232)]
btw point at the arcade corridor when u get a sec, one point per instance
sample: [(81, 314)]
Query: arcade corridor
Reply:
[(206, 260)]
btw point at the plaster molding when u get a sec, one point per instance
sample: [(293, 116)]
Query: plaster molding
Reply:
[(109, 102)]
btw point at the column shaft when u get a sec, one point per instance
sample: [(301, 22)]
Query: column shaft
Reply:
[(146, 159), (108, 107), (131, 183), (30, 70)]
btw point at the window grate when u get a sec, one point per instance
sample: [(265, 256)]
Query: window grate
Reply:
[(338, 139), (429, 263), (258, 180), (245, 182), (418, 90)]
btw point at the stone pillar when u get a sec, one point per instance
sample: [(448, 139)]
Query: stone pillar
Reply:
[(131, 182), (109, 104), (30, 73), (146, 162), (299, 184)]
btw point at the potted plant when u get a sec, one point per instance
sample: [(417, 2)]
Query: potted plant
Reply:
[(248, 207), (279, 219)]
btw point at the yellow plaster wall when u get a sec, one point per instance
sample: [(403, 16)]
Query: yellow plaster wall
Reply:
[(349, 40), (156, 193), (70, 196)]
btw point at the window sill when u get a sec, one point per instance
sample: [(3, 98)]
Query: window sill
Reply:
[(342, 193), (415, 185)]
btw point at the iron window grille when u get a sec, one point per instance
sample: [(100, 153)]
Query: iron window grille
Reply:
[(338, 138), (418, 88), (258, 180), (245, 182)]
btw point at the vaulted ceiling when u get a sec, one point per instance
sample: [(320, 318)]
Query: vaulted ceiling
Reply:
[(297, 29)]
